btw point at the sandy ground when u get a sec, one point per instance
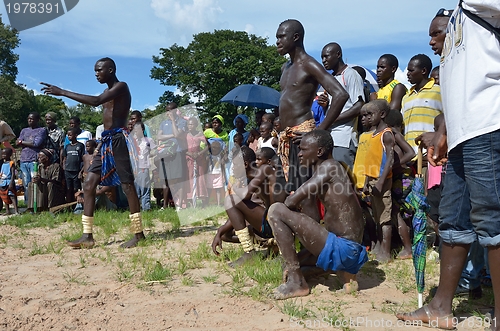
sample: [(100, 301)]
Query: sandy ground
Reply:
[(79, 290)]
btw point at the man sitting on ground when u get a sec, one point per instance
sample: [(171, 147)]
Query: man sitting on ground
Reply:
[(337, 244)]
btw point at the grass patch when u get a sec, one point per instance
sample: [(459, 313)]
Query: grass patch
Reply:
[(158, 273), (73, 277), (296, 309), (43, 219)]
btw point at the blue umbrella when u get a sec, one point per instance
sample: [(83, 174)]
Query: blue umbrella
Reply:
[(253, 95)]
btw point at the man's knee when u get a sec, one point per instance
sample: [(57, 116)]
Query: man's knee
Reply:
[(232, 201), (276, 211), (128, 188), (90, 183)]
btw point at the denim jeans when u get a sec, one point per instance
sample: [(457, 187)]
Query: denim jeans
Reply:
[(143, 188), (470, 277), (470, 200), (26, 170)]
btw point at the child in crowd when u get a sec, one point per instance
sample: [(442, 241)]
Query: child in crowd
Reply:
[(90, 147), (73, 161), (215, 178), (268, 117), (196, 163), (404, 153), (276, 127), (378, 171), (7, 181), (253, 139), (435, 75), (142, 180), (266, 139)]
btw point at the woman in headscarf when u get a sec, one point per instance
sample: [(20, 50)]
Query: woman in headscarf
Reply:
[(216, 131), (47, 184), (240, 122)]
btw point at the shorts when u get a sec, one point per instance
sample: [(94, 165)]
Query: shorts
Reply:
[(470, 199), (265, 230), (6, 194), (345, 154), (73, 183), (340, 254), (382, 205), (122, 160), (172, 168), (433, 199)]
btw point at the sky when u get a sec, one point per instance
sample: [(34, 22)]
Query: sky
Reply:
[(63, 51)]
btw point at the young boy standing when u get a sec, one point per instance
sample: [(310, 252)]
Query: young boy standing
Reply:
[(73, 162), (7, 181), (378, 172)]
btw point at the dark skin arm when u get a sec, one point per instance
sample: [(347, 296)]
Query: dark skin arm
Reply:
[(245, 193), (217, 242), (351, 112), (12, 179), (397, 96), (436, 153), (408, 152), (108, 95)]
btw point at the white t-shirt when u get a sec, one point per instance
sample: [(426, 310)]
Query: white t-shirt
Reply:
[(470, 73), (352, 82)]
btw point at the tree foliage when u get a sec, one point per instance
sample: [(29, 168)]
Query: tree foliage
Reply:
[(216, 62), (9, 40)]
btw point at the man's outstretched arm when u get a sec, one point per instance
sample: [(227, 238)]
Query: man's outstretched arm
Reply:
[(108, 94)]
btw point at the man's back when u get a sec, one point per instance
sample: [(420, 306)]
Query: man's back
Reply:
[(344, 216)]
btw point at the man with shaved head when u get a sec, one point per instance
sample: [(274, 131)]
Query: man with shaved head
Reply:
[(300, 78), (114, 167), (342, 129)]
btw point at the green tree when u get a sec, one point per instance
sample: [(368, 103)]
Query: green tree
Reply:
[(9, 40), (216, 62), (15, 104)]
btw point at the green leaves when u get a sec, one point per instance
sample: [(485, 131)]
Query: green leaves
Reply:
[(216, 62), (9, 40)]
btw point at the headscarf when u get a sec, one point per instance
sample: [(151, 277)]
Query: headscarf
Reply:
[(243, 117), (220, 118), (52, 115), (48, 153)]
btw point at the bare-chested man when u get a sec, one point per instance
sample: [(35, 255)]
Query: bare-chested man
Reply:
[(300, 78), (116, 168), (337, 244)]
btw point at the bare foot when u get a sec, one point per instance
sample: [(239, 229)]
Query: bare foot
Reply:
[(404, 255), (244, 258), (85, 241), (382, 257), (425, 317), (291, 290), (134, 241)]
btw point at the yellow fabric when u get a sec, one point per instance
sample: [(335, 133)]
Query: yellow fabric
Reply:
[(419, 109), (386, 91), (245, 240), (135, 223), (375, 160), (87, 222), (360, 160)]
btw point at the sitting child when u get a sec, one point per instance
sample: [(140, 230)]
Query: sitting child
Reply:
[(8, 181)]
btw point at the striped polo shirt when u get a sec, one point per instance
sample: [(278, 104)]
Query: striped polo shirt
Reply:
[(419, 109)]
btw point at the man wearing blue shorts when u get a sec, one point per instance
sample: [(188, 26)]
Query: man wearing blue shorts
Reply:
[(337, 244)]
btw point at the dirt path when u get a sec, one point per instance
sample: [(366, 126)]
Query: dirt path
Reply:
[(45, 285)]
